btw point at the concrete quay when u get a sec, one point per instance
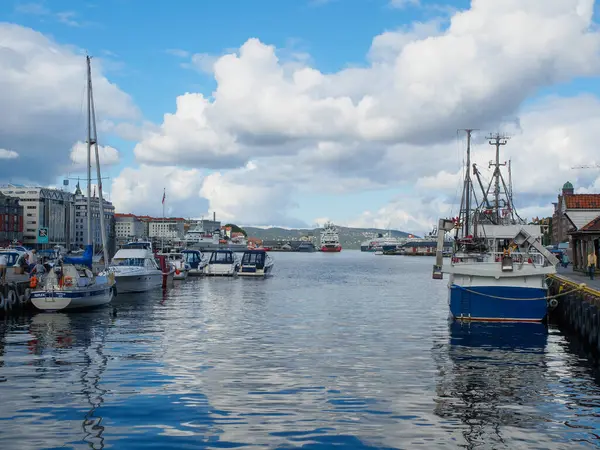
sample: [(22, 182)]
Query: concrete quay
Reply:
[(15, 294)]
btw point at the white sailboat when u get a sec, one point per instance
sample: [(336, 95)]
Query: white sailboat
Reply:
[(71, 283)]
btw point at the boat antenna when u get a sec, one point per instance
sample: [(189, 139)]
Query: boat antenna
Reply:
[(93, 139), (89, 155)]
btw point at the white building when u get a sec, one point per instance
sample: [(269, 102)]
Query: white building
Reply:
[(167, 228), (80, 226), (129, 227), (43, 207)]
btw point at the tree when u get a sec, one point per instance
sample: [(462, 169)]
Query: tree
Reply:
[(236, 229)]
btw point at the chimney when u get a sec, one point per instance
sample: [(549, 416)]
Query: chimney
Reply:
[(214, 216)]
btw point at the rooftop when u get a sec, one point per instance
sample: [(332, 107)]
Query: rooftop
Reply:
[(593, 225), (582, 201)]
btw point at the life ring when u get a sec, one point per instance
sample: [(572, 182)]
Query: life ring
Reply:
[(68, 281), (33, 282)]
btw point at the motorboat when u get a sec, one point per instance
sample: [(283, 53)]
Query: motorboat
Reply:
[(179, 263), (195, 260), (136, 269), (70, 283), (14, 258), (222, 263), (256, 263)]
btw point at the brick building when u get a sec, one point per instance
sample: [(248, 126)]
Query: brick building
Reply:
[(11, 220)]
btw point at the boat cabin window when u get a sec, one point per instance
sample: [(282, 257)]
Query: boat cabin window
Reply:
[(253, 258), (221, 258), (11, 258), (129, 262), (191, 257), (138, 245)]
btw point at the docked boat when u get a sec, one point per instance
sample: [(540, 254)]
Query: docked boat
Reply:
[(256, 263), (330, 241), (136, 269), (70, 283), (306, 247), (222, 263), (198, 238), (195, 260), (498, 267), (177, 260)]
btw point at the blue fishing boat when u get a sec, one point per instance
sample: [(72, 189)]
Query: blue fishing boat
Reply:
[(498, 268)]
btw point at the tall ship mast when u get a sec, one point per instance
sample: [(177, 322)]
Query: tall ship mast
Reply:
[(498, 267)]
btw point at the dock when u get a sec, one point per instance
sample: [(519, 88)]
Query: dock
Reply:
[(14, 295), (577, 304)]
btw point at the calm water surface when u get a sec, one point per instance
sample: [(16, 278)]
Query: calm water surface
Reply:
[(346, 350)]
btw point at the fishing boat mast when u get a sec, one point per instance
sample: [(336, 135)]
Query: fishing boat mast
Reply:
[(93, 140), (467, 187)]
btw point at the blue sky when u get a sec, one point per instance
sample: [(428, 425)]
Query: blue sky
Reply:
[(146, 50)]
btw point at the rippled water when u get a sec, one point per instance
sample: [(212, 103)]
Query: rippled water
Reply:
[(346, 350)]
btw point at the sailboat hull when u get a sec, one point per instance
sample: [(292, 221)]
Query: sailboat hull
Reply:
[(49, 300), (485, 300)]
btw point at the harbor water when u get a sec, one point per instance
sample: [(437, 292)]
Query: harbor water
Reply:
[(346, 350)]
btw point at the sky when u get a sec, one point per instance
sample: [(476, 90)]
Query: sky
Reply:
[(291, 113)]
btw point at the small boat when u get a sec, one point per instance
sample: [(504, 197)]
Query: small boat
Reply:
[(167, 269), (256, 263), (136, 269), (194, 259), (177, 259), (70, 283), (222, 263)]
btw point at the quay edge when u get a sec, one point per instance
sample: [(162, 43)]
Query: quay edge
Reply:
[(577, 307), (15, 297)]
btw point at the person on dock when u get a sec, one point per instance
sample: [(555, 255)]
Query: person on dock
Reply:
[(3, 268), (592, 262)]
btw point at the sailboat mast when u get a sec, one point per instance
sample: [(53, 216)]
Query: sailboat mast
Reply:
[(96, 152), (467, 186), (89, 154), (497, 140)]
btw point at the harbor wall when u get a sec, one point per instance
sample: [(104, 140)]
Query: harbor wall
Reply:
[(577, 309)]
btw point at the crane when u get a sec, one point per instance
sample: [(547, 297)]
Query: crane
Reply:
[(587, 166)]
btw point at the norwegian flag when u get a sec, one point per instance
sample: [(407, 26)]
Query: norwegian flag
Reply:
[(164, 196)]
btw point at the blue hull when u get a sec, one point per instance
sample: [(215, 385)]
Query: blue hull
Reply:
[(474, 303)]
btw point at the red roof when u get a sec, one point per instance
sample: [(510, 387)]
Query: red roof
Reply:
[(582, 201), (594, 225)]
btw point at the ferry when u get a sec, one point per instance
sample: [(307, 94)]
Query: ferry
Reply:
[(330, 241), (498, 268)]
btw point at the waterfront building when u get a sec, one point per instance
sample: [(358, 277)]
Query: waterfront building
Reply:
[(166, 228), (47, 214), (129, 227), (80, 225), (11, 220)]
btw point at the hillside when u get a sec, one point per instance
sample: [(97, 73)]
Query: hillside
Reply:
[(350, 238)]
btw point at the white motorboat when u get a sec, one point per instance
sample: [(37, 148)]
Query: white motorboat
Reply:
[(177, 260), (222, 263), (136, 269), (70, 284), (256, 263), (195, 260)]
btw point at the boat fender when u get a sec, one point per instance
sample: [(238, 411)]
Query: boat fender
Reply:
[(27, 294), (553, 303), (33, 282), (177, 271), (2, 302), (12, 298), (114, 289)]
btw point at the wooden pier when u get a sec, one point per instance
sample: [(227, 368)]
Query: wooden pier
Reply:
[(15, 294), (577, 304)]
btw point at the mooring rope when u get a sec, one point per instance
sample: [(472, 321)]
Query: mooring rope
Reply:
[(547, 297)]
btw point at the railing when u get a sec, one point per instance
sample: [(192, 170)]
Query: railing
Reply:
[(496, 257)]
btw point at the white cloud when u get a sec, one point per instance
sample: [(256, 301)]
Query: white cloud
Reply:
[(140, 191), (421, 85), (42, 108), (404, 3), (8, 154), (108, 155)]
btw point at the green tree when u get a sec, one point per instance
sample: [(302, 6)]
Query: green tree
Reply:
[(236, 229)]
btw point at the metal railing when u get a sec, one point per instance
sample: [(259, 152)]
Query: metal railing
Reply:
[(496, 257)]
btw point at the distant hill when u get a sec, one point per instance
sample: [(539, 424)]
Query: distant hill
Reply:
[(350, 238)]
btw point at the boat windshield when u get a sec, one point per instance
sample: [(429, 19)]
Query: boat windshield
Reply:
[(221, 258), (254, 258), (11, 257), (138, 245), (191, 257), (139, 262)]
